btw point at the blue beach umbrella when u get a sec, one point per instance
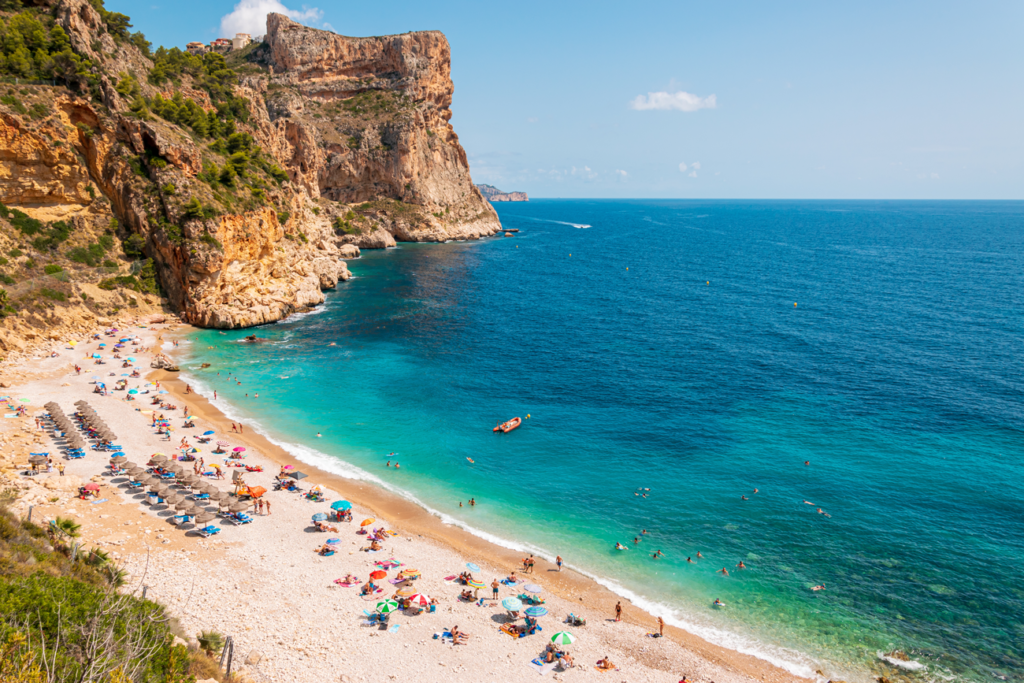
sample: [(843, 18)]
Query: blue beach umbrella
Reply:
[(341, 505), (472, 567), (333, 541), (320, 517), (512, 604), (96, 355), (133, 391), (102, 345), (131, 359), (162, 391), (535, 611), (208, 432)]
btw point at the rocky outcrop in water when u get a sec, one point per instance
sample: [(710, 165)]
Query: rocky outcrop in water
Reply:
[(493, 194)]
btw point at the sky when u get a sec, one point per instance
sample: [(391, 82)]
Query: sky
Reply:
[(678, 99)]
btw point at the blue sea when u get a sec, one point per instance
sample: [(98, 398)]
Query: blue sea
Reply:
[(858, 363)]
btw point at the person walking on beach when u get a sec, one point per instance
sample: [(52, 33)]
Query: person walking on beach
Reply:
[(268, 507), (60, 468), (558, 561), (241, 429), (494, 588), (618, 611), (661, 627), (233, 428)]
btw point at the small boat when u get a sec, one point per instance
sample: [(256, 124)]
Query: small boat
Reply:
[(506, 427)]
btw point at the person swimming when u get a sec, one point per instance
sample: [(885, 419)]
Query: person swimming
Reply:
[(819, 587), (619, 546), (741, 565), (718, 603), (699, 555), (723, 571)]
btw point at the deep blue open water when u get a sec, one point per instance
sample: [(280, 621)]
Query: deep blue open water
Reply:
[(700, 349)]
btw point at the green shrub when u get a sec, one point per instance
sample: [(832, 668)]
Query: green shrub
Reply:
[(193, 209), (134, 245), (283, 216), (52, 294), (15, 253), (106, 242), (211, 240), (14, 103), (7, 279), (52, 269), (30, 263), (110, 264), (168, 189)]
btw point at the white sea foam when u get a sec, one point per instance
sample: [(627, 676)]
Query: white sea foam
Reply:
[(909, 665), (784, 658), (548, 220)]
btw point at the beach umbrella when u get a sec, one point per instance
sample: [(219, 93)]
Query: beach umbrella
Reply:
[(535, 611), (472, 567), (563, 638), (131, 359), (333, 541), (532, 588), (159, 457), (183, 505), (512, 604), (297, 475), (135, 470), (238, 449), (419, 600), (475, 584), (37, 458), (223, 443), (83, 402), (319, 517), (367, 522), (133, 391), (377, 575), (207, 487), (204, 517), (96, 355), (405, 592), (209, 432), (387, 606), (222, 495), (240, 506), (341, 505), (119, 460), (92, 486)]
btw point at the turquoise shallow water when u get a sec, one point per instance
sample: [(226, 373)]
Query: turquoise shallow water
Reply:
[(692, 373)]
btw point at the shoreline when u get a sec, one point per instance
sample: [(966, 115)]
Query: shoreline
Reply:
[(414, 518)]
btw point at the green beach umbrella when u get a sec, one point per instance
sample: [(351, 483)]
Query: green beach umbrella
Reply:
[(387, 606), (563, 638)]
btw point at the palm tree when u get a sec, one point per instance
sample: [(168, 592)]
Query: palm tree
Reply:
[(67, 527), (97, 557), (210, 642)]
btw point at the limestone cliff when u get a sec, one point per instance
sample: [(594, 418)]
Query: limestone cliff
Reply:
[(234, 187)]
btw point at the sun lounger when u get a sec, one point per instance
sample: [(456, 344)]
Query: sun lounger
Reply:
[(508, 630), (208, 531)]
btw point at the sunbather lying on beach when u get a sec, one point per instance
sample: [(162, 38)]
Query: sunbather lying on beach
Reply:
[(374, 545), (324, 549), (458, 636), (368, 588), (605, 664), (466, 595)]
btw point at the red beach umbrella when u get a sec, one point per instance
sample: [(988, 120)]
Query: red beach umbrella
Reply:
[(377, 575)]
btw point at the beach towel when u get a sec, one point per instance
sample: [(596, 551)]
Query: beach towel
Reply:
[(395, 582), (450, 578), (542, 667), (393, 629), (507, 630), (374, 595), (511, 584), (346, 585), (101, 500), (604, 671)]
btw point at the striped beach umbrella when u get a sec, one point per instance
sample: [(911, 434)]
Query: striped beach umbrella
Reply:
[(512, 604), (475, 584), (535, 611), (387, 606), (563, 638), (472, 567), (419, 600), (532, 588)]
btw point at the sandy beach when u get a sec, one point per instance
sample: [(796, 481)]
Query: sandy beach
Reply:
[(264, 585)]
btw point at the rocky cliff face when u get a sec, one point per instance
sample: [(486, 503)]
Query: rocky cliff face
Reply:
[(366, 119), (242, 190)]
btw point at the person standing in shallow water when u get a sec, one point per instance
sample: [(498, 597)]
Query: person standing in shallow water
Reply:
[(618, 611)]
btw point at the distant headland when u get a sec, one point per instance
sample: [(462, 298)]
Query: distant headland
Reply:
[(493, 194)]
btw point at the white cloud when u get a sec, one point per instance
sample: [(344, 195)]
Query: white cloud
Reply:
[(327, 27), (682, 167), (622, 174), (693, 174), (532, 119), (696, 165), (250, 16), (679, 101)]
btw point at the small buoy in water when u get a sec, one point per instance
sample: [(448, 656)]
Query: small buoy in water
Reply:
[(794, 304), (527, 416), (709, 282)]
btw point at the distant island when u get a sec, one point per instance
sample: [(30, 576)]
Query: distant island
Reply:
[(493, 194)]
